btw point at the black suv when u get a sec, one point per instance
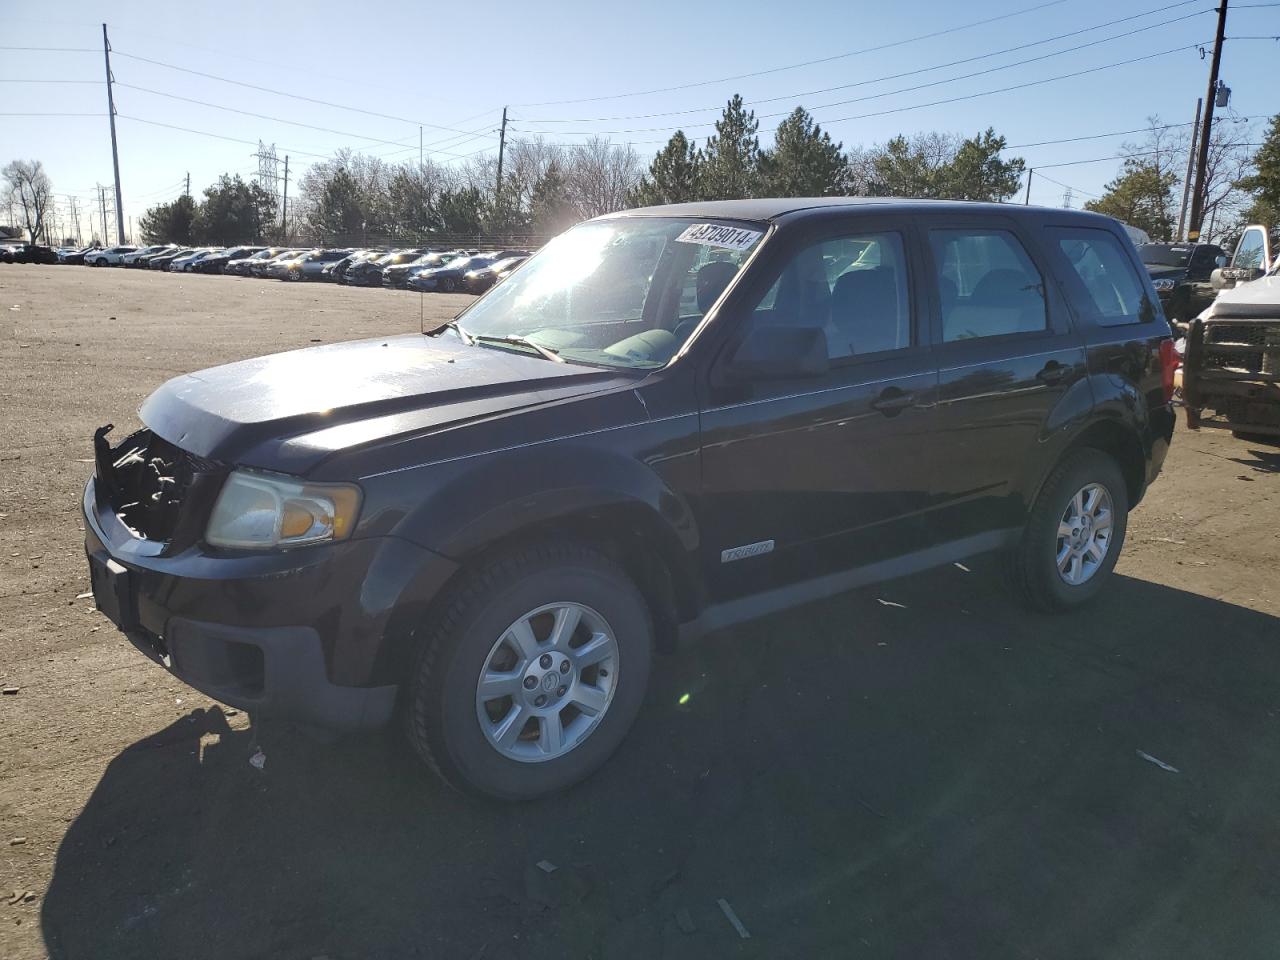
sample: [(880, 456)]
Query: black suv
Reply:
[(1180, 273), (668, 421)]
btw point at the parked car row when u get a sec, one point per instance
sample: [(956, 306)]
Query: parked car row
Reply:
[(414, 268)]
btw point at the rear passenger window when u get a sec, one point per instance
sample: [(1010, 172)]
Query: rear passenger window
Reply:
[(854, 288), (1116, 294), (987, 284)]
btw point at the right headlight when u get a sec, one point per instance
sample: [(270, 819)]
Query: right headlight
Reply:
[(263, 511)]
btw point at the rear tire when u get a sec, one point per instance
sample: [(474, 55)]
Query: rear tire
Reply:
[(447, 285), (510, 619), (1074, 533)]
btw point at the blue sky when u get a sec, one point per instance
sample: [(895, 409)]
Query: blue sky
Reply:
[(451, 68)]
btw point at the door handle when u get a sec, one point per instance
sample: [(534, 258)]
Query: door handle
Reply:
[(892, 401), (1052, 372)]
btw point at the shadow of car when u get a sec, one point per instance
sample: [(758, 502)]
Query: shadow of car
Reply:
[(946, 777)]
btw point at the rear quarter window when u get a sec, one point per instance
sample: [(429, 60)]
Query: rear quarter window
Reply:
[(1107, 287)]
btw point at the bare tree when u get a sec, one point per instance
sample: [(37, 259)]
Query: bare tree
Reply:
[(1230, 161), (28, 186), (599, 175)]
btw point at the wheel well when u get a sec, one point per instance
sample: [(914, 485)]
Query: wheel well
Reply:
[(633, 538), (1124, 448)]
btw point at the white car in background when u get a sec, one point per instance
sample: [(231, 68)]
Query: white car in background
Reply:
[(130, 258), (183, 264), (110, 257)]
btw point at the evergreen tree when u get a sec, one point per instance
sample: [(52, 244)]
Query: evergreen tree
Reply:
[(460, 211), (234, 212), (673, 176), (170, 222), (1264, 183), (551, 208), (731, 161), (804, 162), (338, 211), (908, 168), (976, 172), (1141, 196)]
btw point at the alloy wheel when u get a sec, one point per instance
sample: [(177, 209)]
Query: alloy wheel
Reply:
[(547, 682), (1084, 534)]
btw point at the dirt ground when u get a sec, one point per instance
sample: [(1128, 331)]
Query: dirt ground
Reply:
[(947, 778)]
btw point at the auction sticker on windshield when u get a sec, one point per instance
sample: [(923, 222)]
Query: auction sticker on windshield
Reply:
[(709, 234)]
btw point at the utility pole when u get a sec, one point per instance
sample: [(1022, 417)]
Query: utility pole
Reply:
[(75, 215), (419, 147), (102, 208), (284, 207), (497, 190), (115, 154), (1191, 166), (1206, 129), (187, 192), (1027, 200), (502, 148), (131, 229)]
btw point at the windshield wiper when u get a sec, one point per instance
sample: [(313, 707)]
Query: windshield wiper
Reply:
[(546, 352), (453, 324)]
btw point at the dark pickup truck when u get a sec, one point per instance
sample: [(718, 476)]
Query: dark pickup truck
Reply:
[(668, 421)]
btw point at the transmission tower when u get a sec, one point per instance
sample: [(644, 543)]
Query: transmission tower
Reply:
[(1067, 196), (268, 168)]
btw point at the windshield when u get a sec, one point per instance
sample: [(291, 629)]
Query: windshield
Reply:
[(1165, 254), (626, 292)]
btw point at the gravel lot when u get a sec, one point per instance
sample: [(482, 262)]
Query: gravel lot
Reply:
[(947, 778)]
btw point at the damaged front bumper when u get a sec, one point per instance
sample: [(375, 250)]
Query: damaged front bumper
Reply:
[(1231, 376), (316, 634)]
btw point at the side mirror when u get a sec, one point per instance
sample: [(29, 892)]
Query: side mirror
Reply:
[(1220, 261), (780, 353)]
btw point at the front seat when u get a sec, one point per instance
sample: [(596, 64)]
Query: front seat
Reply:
[(864, 310)]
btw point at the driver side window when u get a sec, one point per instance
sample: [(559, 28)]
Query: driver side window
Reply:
[(854, 288)]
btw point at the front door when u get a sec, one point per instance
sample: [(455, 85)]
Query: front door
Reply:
[(801, 477)]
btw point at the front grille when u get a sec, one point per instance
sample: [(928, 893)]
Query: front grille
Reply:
[(1245, 347), (145, 480)]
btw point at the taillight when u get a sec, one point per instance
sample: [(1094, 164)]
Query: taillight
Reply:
[(1168, 364)]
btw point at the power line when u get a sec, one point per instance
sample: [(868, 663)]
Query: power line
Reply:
[(1127, 156), (919, 70), (794, 66), (263, 116), (934, 103), (1067, 185), (295, 96), (1115, 133), (216, 136), (54, 49)]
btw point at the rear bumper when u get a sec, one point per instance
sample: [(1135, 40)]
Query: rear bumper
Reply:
[(316, 635)]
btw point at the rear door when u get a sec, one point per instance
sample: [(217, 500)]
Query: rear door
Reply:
[(802, 477), (1009, 363)]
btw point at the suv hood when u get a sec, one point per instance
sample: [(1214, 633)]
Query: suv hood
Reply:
[(1263, 292), (289, 411)]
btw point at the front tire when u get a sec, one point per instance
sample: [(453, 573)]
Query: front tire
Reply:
[(1073, 535), (446, 285), (531, 675)]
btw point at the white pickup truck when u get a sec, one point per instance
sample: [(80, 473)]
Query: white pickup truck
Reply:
[(1231, 367)]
